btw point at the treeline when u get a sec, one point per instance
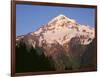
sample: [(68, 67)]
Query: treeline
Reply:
[(34, 60), (31, 61)]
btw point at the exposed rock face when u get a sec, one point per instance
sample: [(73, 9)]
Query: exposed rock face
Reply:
[(89, 57), (62, 39)]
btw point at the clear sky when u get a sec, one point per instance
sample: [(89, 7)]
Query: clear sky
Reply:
[(31, 17)]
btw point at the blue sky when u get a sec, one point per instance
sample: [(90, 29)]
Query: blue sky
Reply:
[(31, 17)]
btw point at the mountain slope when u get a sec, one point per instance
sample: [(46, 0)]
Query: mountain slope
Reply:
[(62, 40)]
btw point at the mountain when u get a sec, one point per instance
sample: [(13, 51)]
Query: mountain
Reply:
[(62, 40)]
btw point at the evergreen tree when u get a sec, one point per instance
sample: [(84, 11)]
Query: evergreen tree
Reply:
[(31, 61)]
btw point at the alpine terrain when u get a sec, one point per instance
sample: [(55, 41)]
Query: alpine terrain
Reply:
[(61, 44)]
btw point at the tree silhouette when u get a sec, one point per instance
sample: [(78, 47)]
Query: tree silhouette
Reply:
[(31, 61)]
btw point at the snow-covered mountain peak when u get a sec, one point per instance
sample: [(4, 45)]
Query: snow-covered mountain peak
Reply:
[(60, 30), (62, 39), (61, 21), (58, 18), (61, 16)]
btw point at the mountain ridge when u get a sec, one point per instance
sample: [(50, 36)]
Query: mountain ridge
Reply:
[(61, 38), (61, 21)]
